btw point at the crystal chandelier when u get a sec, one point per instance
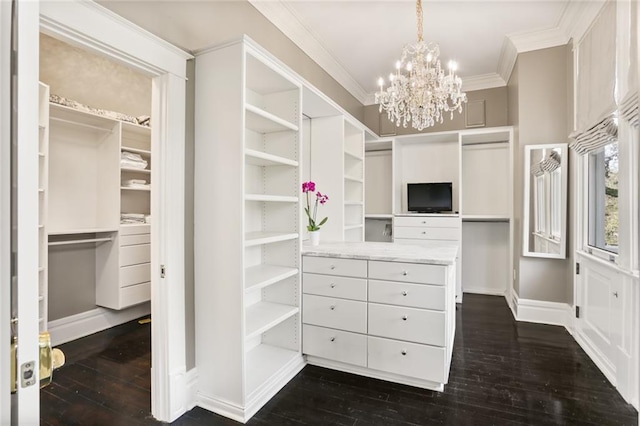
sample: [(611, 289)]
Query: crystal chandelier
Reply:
[(420, 90)]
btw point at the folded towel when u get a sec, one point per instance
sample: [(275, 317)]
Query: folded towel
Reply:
[(134, 182)]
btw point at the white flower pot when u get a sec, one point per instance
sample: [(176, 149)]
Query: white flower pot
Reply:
[(314, 237)]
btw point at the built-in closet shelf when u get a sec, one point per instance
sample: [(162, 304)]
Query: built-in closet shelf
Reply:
[(41, 154), (258, 238), (379, 216), (353, 179), (348, 227), (42, 126), (40, 298), (354, 156), (261, 276), (259, 158), (262, 121), (132, 188), (485, 218), (83, 231), (41, 269), (264, 362), (40, 189), (81, 241), (132, 170), (136, 150), (271, 198), (40, 226), (263, 316), (353, 203)]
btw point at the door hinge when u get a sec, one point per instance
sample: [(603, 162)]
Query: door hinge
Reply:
[(163, 271), (577, 311), (577, 268)]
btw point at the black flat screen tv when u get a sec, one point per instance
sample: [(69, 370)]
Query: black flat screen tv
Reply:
[(432, 197)]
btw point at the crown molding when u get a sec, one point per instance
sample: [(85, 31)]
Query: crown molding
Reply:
[(507, 61), (536, 40), (482, 81), (578, 17), (287, 22)]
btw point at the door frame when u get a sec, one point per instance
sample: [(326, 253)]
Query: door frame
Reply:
[(92, 27)]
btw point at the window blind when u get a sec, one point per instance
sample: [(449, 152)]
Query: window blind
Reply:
[(603, 133), (629, 109)]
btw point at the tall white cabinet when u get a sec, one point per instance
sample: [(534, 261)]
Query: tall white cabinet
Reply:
[(247, 221)]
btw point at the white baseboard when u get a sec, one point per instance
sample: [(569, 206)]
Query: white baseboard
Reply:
[(73, 327), (192, 388), (487, 291), (541, 312)]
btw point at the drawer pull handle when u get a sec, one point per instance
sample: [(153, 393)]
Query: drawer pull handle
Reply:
[(404, 352), (332, 307), (405, 273), (332, 339), (404, 292), (333, 285), (404, 317), (333, 267)]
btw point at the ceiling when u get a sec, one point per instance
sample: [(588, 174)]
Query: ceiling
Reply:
[(359, 41)]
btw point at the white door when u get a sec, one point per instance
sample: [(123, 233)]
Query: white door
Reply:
[(19, 208)]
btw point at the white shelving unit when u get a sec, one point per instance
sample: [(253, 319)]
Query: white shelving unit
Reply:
[(247, 236), (43, 195), (353, 148), (86, 195)]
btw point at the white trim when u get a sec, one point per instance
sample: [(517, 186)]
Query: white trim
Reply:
[(483, 81), (536, 40), (288, 22), (191, 380), (486, 291), (74, 327), (542, 312), (367, 372), (598, 358), (218, 406), (578, 17)]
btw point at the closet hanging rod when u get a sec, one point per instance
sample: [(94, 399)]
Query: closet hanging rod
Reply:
[(75, 123), (80, 241)]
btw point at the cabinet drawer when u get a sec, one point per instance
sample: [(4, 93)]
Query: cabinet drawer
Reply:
[(408, 272), (131, 240), (330, 312), (332, 286), (407, 359), (413, 325), (135, 274), (333, 266), (135, 294), (135, 229), (411, 295), (436, 222), (335, 345), (427, 233), (134, 255)]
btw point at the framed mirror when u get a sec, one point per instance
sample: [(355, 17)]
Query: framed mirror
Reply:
[(544, 221)]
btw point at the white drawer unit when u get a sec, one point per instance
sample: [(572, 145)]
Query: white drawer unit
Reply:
[(407, 359), (135, 274), (410, 324), (334, 286), (429, 221), (348, 315), (428, 233), (391, 320), (408, 272), (135, 294), (132, 240), (335, 345), (411, 295), (134, 255), (334, 266)]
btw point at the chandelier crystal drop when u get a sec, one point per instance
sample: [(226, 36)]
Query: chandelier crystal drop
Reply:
[(420, 90)]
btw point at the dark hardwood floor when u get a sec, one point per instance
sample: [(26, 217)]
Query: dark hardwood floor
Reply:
[(503, 373)]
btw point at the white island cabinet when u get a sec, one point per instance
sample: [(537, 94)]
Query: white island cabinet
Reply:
[(381, 310)]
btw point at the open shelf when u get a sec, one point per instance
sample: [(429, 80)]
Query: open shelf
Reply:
[(353, 179), (379, 216), (260, 276), (354, 156), (271, 198), (135, 150), (258, 238), (353, 203), (348, 227), (259, 158), (484, 218), (132, 170), (264, 122), (263, 316), (82, 231), (264, 362), (132, 188)]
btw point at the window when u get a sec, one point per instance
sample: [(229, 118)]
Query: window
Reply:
[(603, 198)]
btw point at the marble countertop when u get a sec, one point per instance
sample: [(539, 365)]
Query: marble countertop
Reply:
[(436, 253)]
